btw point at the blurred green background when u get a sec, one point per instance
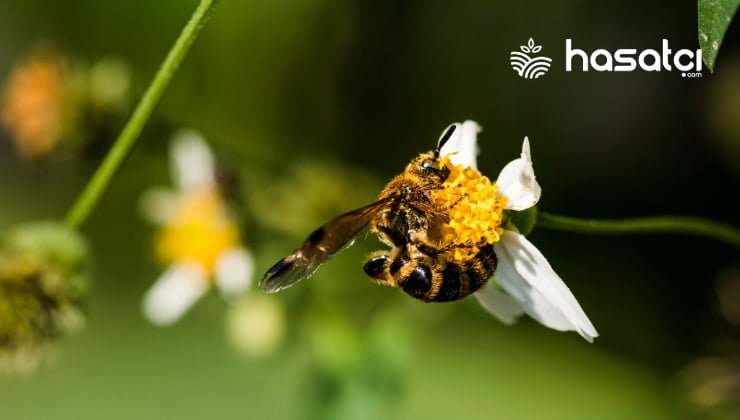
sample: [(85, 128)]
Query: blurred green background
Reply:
[(315, 104)]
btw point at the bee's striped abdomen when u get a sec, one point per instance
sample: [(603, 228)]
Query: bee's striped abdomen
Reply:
[(459, 280), (429, 278)]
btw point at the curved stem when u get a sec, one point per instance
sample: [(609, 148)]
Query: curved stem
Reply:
[(644, 225), (125, 142)]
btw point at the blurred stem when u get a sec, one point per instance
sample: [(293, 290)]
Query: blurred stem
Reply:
[(644, 225), (125, 142)]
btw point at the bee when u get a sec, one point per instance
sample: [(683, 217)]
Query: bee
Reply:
[(406, 218), (429, 277)]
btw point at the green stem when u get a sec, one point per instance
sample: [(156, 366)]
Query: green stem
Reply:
[(123, 145), (644, 225)]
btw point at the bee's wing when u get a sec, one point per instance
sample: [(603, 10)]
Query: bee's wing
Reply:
[(321, 245)]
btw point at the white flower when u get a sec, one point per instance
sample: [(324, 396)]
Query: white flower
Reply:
[(256, 325), (524, 280), (198, 239)]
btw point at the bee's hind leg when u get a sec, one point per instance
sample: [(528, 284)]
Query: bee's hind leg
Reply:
[(377, 266)]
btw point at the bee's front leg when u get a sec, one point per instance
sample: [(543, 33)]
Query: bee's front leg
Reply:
[(456, 202), (432, 248)]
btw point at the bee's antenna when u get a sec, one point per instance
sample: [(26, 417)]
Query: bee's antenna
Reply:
[(446, 136)]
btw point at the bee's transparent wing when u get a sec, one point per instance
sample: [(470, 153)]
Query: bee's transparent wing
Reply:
[(322, 244)]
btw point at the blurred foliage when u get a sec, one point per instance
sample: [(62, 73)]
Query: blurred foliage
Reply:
[(37, 95), (713, 384), (51, 100), (358, 371), (712, 381), (310, 194), (329, 99), (43, 280), (256, 325)]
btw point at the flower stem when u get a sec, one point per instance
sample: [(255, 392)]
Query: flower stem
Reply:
[(125, 142), (644, 225)]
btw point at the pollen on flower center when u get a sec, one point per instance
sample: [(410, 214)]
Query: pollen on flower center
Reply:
[(199, 232), (475, 211)]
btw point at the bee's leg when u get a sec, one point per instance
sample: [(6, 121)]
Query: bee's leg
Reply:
[(433, 250), (429, 248), (390, 236), (424, 208), (426, 245), (435, 209), (456, 202), (377, 267)]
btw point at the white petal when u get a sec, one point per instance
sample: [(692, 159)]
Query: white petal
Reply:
[(174, 293), (517, 182), (499, 304), (527, 276), (534, 303), (158, 205), (234, 271), (193, 166), (462, 147)]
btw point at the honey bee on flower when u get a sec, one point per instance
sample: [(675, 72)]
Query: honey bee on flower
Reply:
[(450, 231), (198, 239)]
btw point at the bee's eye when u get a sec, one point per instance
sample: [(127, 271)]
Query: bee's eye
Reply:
[(432, 168)]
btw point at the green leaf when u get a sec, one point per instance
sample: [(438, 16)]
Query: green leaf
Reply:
[(714, 18)]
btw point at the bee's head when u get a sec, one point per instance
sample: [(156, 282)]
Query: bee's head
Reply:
[(435, 168), (429, 166)]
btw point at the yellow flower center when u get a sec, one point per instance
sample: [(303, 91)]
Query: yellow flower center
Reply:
[(475, 211), (199, 232)]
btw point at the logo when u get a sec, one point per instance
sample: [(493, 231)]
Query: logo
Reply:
[(526, 64), (630, 59), (686, 62)]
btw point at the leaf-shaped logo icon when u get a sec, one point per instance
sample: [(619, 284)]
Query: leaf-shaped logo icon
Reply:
[(527, 63)]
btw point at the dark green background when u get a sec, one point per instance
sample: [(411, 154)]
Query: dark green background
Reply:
[(363, 87)]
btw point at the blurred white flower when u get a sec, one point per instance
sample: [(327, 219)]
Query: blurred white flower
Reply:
[(256, 325), (198, 239), (524, 280)]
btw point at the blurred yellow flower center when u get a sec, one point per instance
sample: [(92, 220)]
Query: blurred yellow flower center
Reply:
[(475, 213), (199, 232)]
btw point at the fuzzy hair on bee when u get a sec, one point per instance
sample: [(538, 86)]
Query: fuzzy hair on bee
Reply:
[(408, 219), (428, 278)]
